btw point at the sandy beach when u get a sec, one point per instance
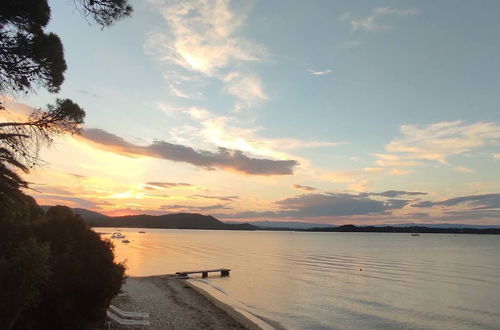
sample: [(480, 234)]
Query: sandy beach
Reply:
[(176, 304)]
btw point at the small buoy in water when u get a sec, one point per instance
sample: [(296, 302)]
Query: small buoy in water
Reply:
[(360, 269)]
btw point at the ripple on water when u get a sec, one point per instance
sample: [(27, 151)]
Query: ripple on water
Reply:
[(313, 280)]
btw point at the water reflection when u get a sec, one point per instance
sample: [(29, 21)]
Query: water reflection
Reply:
[(337, 280)]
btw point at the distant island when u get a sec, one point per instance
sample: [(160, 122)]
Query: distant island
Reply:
[(409, 229), (166, 221), (200, 221)]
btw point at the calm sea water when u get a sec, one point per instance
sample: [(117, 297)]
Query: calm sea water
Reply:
[(337, 280)]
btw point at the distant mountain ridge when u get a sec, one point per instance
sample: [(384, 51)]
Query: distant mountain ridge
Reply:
[(172, 221), (407, 229), (439, 225), (285, 224), (200, 221)]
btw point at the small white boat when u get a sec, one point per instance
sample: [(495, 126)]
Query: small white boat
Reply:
[(117, 235)]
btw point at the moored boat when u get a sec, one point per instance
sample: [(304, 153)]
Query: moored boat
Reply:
[(117, 235)]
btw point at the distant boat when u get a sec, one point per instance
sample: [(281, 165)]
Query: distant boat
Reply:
[(415, 234), (142, 232), (125, 241), (117, 235)]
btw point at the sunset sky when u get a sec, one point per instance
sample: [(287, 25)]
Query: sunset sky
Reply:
[(320, 111)]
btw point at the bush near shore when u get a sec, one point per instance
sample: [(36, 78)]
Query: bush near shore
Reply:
[(55, 272)]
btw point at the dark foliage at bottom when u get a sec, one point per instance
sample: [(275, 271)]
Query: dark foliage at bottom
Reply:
[(55, 272)]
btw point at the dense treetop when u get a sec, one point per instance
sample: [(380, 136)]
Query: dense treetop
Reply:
[(30, 57)]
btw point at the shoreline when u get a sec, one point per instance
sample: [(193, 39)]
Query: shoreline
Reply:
[(175, 303), (220, 299)]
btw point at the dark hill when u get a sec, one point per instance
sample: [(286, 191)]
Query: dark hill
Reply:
[(410, 229), (173, 221)]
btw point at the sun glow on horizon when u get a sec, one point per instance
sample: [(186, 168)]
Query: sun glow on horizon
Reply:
[(212, 107)]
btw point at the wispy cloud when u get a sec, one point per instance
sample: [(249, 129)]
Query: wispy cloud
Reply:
[(305, 188), (319, 73), (221, 198), (197, 113), (399, 171), (391, 206), (468, 215), (464, 208), (229, 132), (462, 169), (372, 22), (484, 201), (176, 91), (394, 193), (357, 178), (437, 143), (203, 36), (166, 185), (203, 39), (386, 160), (327, 205), (77, 176), (191, 208), (331, 205), (247, 89), (225, 159)]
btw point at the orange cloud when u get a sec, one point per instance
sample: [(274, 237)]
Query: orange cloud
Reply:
[(226, 159)]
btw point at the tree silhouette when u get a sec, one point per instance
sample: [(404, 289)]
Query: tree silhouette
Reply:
[(20, 142), (31, 59), (104, 12), (28, 56), (84, 276), (34, 283)]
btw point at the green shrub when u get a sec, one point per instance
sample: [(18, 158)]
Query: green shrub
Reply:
[(24, 264), (23, 271), (84, 275), (55, 272)]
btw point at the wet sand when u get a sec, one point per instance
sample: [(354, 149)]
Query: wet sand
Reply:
[(176, 304)]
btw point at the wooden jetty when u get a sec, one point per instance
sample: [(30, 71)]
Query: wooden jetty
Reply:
[(204, 273)]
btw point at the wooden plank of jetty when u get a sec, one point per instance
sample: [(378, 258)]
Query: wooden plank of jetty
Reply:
[(204, 273)]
